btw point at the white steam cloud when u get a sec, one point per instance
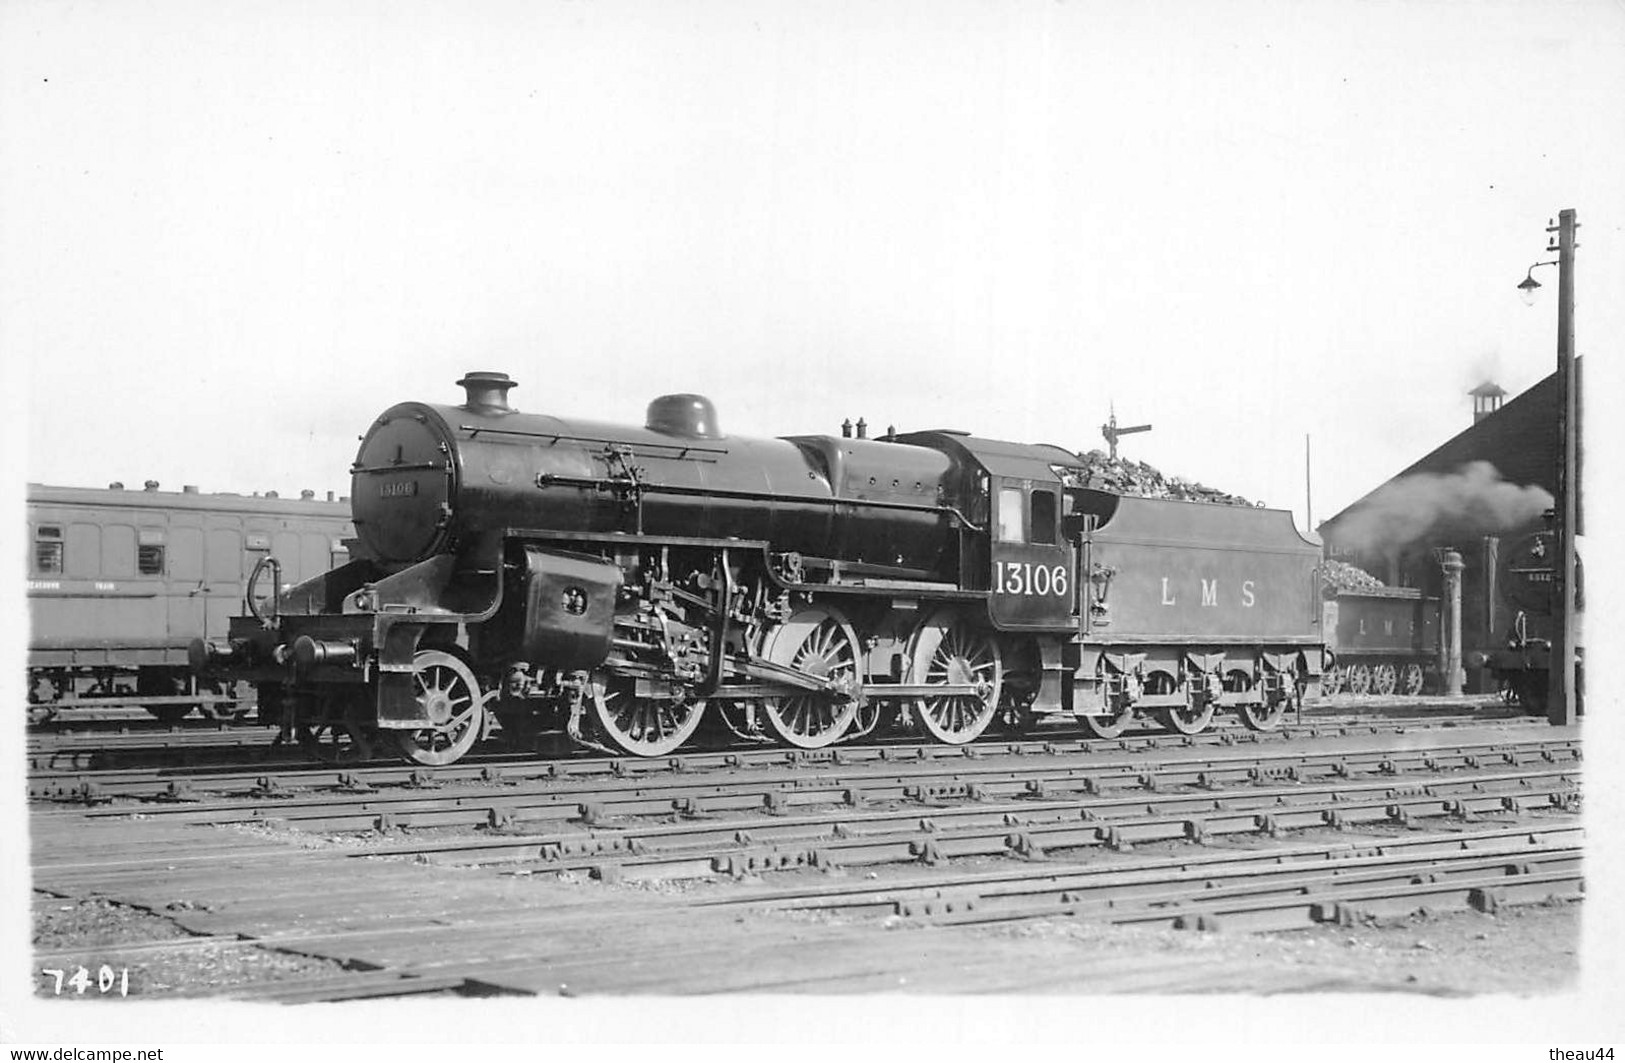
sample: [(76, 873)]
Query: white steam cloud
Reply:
[(1473, 501)]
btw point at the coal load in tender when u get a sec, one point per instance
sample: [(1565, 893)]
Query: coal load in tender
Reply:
[(1124, 477), (1338, 577)]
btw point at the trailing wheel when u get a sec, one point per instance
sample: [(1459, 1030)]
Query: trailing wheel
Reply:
[(643, 727), (944, 652), (1384, 678), (818, 642), (450, 697), (1188, 719), (1359, 678), (1410, 679)]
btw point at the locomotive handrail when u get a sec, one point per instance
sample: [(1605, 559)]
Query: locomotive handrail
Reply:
[(253, 580), (682, 448), (545, 478), (411, 466)]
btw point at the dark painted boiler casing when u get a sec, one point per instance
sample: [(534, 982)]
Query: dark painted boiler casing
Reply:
[(428, 477)]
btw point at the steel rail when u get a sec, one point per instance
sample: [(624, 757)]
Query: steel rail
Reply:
[(942, 895), (352, 803), (521, 771), (1030, 831)]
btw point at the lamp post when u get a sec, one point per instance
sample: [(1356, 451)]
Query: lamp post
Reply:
[(1561, 704)]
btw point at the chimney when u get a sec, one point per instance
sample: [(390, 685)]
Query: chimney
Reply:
[(863, 428), (487, 390), (1486, 400), (330, 496), (846, 428)]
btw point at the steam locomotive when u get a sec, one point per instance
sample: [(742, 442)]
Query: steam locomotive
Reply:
[(624, 585)]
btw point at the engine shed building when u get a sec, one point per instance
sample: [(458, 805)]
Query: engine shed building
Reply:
[(1519, 438)]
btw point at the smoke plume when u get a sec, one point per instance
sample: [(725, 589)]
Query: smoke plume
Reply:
[(1473, 501)]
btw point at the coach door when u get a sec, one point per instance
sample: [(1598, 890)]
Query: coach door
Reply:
[(1033, 578)]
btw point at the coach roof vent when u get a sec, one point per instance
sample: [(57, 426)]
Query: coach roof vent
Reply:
[(188, 489), (691, 416), (488, 391), (151, 485)]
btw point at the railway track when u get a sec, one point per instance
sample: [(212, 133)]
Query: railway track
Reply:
[(714, 872), (1272, 889), (66, 765)]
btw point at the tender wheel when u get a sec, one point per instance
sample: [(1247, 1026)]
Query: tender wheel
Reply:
[(819, 642), (451, 698), (1331, 680), (1384, 678), (1410, 680), (1185, 720), (944, 652), (1359, 679), (643, 727), (1108, 726), (1257, 717)]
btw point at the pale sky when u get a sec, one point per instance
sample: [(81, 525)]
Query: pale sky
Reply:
[(233, 236)]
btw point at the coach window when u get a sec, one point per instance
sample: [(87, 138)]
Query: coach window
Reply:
[(149, 552), (1010, 514), (1043, 522), (48, 550)]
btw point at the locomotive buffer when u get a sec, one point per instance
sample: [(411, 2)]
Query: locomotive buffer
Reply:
[(1112, 432)]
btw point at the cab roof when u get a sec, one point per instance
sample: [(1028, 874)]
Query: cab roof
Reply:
[(1026, 461)]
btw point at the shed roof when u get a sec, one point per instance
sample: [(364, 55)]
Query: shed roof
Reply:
[(1519, 439)]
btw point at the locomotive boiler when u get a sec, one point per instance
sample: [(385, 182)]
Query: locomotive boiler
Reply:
[(624, 585)]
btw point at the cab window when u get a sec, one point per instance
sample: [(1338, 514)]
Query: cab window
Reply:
[(1011, 512), (1043, 522)]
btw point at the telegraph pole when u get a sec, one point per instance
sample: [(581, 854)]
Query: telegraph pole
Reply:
[(1562, 708)]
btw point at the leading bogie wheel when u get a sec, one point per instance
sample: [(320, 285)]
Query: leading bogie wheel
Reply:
[(819, 642), (1384, 678), (643, 727), (450, 697), (945, 652), (1410, 679)]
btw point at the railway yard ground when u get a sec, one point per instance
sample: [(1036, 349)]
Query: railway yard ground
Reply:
[(1415, 846)]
